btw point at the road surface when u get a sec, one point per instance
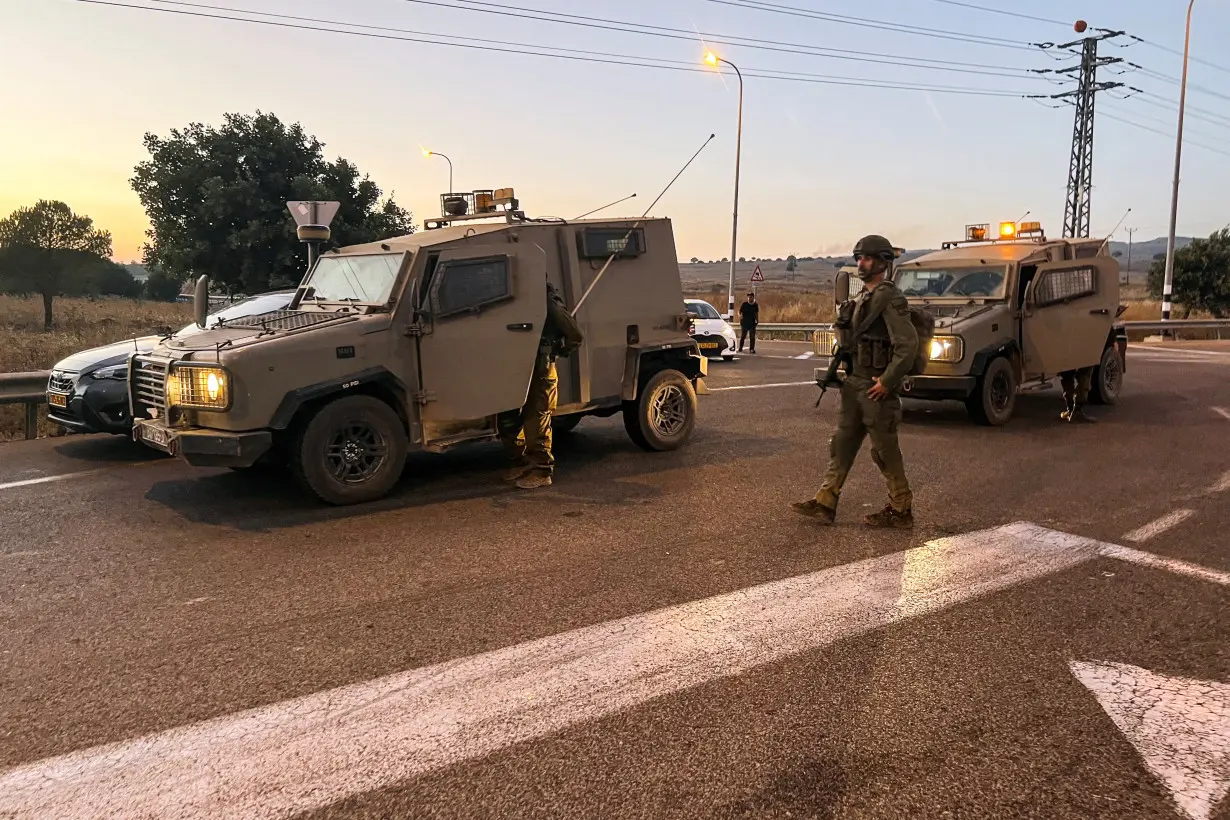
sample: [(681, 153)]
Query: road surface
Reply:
[(655, 636)]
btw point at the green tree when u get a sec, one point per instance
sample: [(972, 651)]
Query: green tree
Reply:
[(1201, 275), (791, 264), (216, 200), (47, 249)]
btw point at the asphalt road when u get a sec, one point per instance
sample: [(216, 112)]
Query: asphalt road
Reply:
[(605, 647)]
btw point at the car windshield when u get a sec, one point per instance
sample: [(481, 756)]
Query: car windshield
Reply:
[(985, 282), (703, 310), (252, 306), (368, 278)]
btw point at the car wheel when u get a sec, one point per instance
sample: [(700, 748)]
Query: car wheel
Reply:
[(664, 414), (1107, 378), (351, 451), (994, 399)]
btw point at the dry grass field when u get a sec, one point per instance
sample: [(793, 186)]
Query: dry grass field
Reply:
[(80, 325)]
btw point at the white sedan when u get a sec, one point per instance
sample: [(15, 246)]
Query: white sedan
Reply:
[(712, 333)]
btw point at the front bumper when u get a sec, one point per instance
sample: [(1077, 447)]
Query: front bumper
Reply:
[(90, 405), (713, 345), (203, 447)]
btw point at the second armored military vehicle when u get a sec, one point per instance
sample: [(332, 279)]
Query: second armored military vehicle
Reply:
[(421, 341), (1011, 311)]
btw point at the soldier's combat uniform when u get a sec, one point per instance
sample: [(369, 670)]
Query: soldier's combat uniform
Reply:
[(885, 347), (1075, 385), (526, 434)]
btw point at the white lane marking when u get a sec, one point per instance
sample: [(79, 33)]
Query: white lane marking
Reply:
[(1148, 559), (30, 482), (21, 554), (1179, 726), (805, 356), (1181, 350), (1159, 526), (1223, 412), (1221, 486), (301, 754), (761, 386)]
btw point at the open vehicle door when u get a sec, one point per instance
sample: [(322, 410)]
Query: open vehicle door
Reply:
[(1069, 308), (482, 314)]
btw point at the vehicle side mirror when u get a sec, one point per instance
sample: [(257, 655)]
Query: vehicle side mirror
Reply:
[(841, 287), (200, 301)]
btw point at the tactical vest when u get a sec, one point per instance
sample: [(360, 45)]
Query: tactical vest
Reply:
[(873, 348)]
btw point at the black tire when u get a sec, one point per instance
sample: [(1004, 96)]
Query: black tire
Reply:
[(563, 425), (994, 399), (1107, 378), (351, 451), (664, 414)]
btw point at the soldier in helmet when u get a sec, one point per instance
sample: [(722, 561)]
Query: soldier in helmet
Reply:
[(883, 346)]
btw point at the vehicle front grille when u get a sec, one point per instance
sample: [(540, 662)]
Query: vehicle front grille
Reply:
[(61, 382), (149, 385), (710, 343)]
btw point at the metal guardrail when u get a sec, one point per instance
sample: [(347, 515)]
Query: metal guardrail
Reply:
[(1173, 324), (29, 389)]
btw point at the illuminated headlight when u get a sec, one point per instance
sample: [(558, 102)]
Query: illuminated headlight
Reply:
[(947, 349), (199, 387)]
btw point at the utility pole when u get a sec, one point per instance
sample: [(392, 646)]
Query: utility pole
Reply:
[(1080, 169), (1128, 274), (1168, 281)]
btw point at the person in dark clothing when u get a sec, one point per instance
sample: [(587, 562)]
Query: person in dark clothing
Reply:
[(749, 317)]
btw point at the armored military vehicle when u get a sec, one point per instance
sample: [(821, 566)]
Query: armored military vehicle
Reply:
[(419, 342), (1012, 311)]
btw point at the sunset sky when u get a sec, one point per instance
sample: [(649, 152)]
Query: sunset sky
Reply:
[(822, 163)]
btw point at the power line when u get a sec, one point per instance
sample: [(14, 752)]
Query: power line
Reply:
[(644, 29), (1006, 13), (863, 22), (1212, 119), (488, 45), (1157, 75), (1179, 53), (1186, 141)]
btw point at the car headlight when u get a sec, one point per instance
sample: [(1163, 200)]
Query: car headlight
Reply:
[(949, 349), (202, 387), (115, 371)]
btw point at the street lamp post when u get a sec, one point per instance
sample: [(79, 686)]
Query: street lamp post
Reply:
[(712, 59), (1178, 152), (429, 153)]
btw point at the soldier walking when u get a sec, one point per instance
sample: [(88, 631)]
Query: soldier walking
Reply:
[(1075, 385), (883, 346), (526, 434)]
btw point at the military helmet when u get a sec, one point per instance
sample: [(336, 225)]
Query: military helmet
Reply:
[(875, 245)]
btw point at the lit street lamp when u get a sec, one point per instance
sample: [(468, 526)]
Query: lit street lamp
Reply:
[(427, 152), (712, 59), (1174, 197)]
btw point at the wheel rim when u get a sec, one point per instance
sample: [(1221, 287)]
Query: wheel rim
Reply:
[(356, 452), (1112, 375), (668, 413), (1001, 393)]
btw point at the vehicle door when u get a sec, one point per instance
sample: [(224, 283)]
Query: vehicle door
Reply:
[(482, 315), (1069, 308)]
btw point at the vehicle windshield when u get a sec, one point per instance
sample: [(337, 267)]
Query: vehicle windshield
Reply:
[(367, 279), (703, 310), (985, 282)]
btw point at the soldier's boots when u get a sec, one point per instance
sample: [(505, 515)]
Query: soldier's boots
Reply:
[(814, 509), (513, 474), (534, 480), (888, 517), (1075, 413)]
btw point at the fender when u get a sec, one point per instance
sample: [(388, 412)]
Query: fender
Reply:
[(685, 355), (983, 357), (295, 399)]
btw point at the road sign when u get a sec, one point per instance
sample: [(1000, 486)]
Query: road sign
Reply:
[(313, 212), (757, 276)]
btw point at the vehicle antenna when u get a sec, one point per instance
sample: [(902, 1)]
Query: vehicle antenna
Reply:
[(603, 208), (636, 224), (1112, 232)]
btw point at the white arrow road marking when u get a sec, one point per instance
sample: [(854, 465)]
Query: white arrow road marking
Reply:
[(1223, 412), (301, 754), (1171, 519), (1180, 727)]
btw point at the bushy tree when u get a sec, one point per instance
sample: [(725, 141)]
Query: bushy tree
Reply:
[(1201, 275), (50, 250), (216, 200)]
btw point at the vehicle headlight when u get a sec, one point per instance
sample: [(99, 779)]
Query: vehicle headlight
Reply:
[(947, 349), (203, 387), (115, 371)]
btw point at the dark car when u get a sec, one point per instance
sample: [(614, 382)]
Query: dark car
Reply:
[(88, 391)]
